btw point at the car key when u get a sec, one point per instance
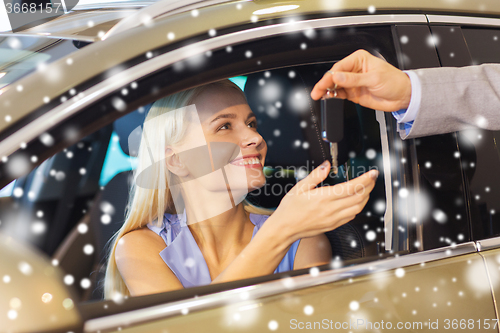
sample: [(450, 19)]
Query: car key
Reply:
[(334, 152), (332, 124)]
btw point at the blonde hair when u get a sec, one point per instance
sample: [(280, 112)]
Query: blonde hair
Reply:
[(149, 202)]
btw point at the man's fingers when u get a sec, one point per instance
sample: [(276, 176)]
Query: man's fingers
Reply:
[(320, 88), (355, 63), (342, 80), (352, 80)]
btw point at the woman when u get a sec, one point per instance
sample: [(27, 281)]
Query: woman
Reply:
[(199, 156)]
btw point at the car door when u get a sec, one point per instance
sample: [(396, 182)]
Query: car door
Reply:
[(430, 283), (419, 279), (477, 43)]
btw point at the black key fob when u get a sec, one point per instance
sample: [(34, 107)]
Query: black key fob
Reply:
[(332, 119)]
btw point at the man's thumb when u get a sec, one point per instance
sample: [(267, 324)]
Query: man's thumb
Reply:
[(313, 179)]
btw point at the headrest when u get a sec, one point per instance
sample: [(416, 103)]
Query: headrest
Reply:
[(126, 124), (289, 120)]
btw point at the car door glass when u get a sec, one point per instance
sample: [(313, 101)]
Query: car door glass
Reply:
[(7, 190), (433, 196), (288, 120), (479, 148)]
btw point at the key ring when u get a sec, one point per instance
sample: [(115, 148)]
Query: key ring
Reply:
[(329, 90)]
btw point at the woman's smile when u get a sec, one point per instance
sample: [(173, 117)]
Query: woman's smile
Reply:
[(248, 161)]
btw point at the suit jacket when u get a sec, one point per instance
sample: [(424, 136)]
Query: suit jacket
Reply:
[(454, 99)]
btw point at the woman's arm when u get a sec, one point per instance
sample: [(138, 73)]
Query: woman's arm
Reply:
[(145, 272), (261, 256), (313, 251)]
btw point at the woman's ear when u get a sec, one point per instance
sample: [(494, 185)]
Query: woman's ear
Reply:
[(174, 164)]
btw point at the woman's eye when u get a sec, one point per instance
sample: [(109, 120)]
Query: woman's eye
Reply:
[(225, 126)]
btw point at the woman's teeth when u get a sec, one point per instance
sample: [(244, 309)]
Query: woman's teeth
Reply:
[(248, 161)]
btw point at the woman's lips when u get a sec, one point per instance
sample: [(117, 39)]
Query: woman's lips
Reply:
[(248, 162)]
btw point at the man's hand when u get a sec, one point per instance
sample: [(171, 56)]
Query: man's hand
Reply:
[(367, 80)]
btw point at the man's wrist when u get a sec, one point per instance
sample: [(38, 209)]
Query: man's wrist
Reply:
[(408, 93), (408, 115)]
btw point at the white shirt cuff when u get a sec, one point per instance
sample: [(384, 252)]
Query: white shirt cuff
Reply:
[(416, 96)]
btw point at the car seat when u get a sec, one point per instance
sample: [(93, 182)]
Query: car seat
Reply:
[(103, 220), (289, 121)]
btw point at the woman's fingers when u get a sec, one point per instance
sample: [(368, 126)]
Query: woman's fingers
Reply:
[(355, 208), (325, 208), (349, 206), (361, 184), (313, 179), (343, 211)]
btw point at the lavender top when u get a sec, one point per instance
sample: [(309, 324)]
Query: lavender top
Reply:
[(184, 257)]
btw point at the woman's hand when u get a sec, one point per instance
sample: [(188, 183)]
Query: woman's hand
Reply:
[(367, 80), (307, 211), (304, 212)]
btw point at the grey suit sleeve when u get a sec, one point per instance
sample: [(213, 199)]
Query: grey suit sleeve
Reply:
[(454, 99)]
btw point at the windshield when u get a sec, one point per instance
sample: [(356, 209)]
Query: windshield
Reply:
[(95, 2), (20, 56)]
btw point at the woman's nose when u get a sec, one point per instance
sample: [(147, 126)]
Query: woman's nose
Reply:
[(251, 139)]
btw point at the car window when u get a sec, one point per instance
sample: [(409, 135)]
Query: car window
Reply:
[(7, 190), (484, 44), (21, 55), (85, 187), (434, 198), (479, 148), (78, 189), (38, 199), (116, 161)]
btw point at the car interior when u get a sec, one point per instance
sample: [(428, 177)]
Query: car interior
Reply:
[(76, 200)]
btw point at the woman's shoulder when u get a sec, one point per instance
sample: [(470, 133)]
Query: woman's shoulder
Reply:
[(143, 232), (169, 227), (140, 265), (168, 220), (142, 236), (140, 240)]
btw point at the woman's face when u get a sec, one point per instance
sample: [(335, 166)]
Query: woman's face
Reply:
[(228, 127)]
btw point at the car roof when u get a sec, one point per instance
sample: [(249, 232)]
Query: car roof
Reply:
[(97, 57), (83, 25), (163, 8), (123, 15)]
